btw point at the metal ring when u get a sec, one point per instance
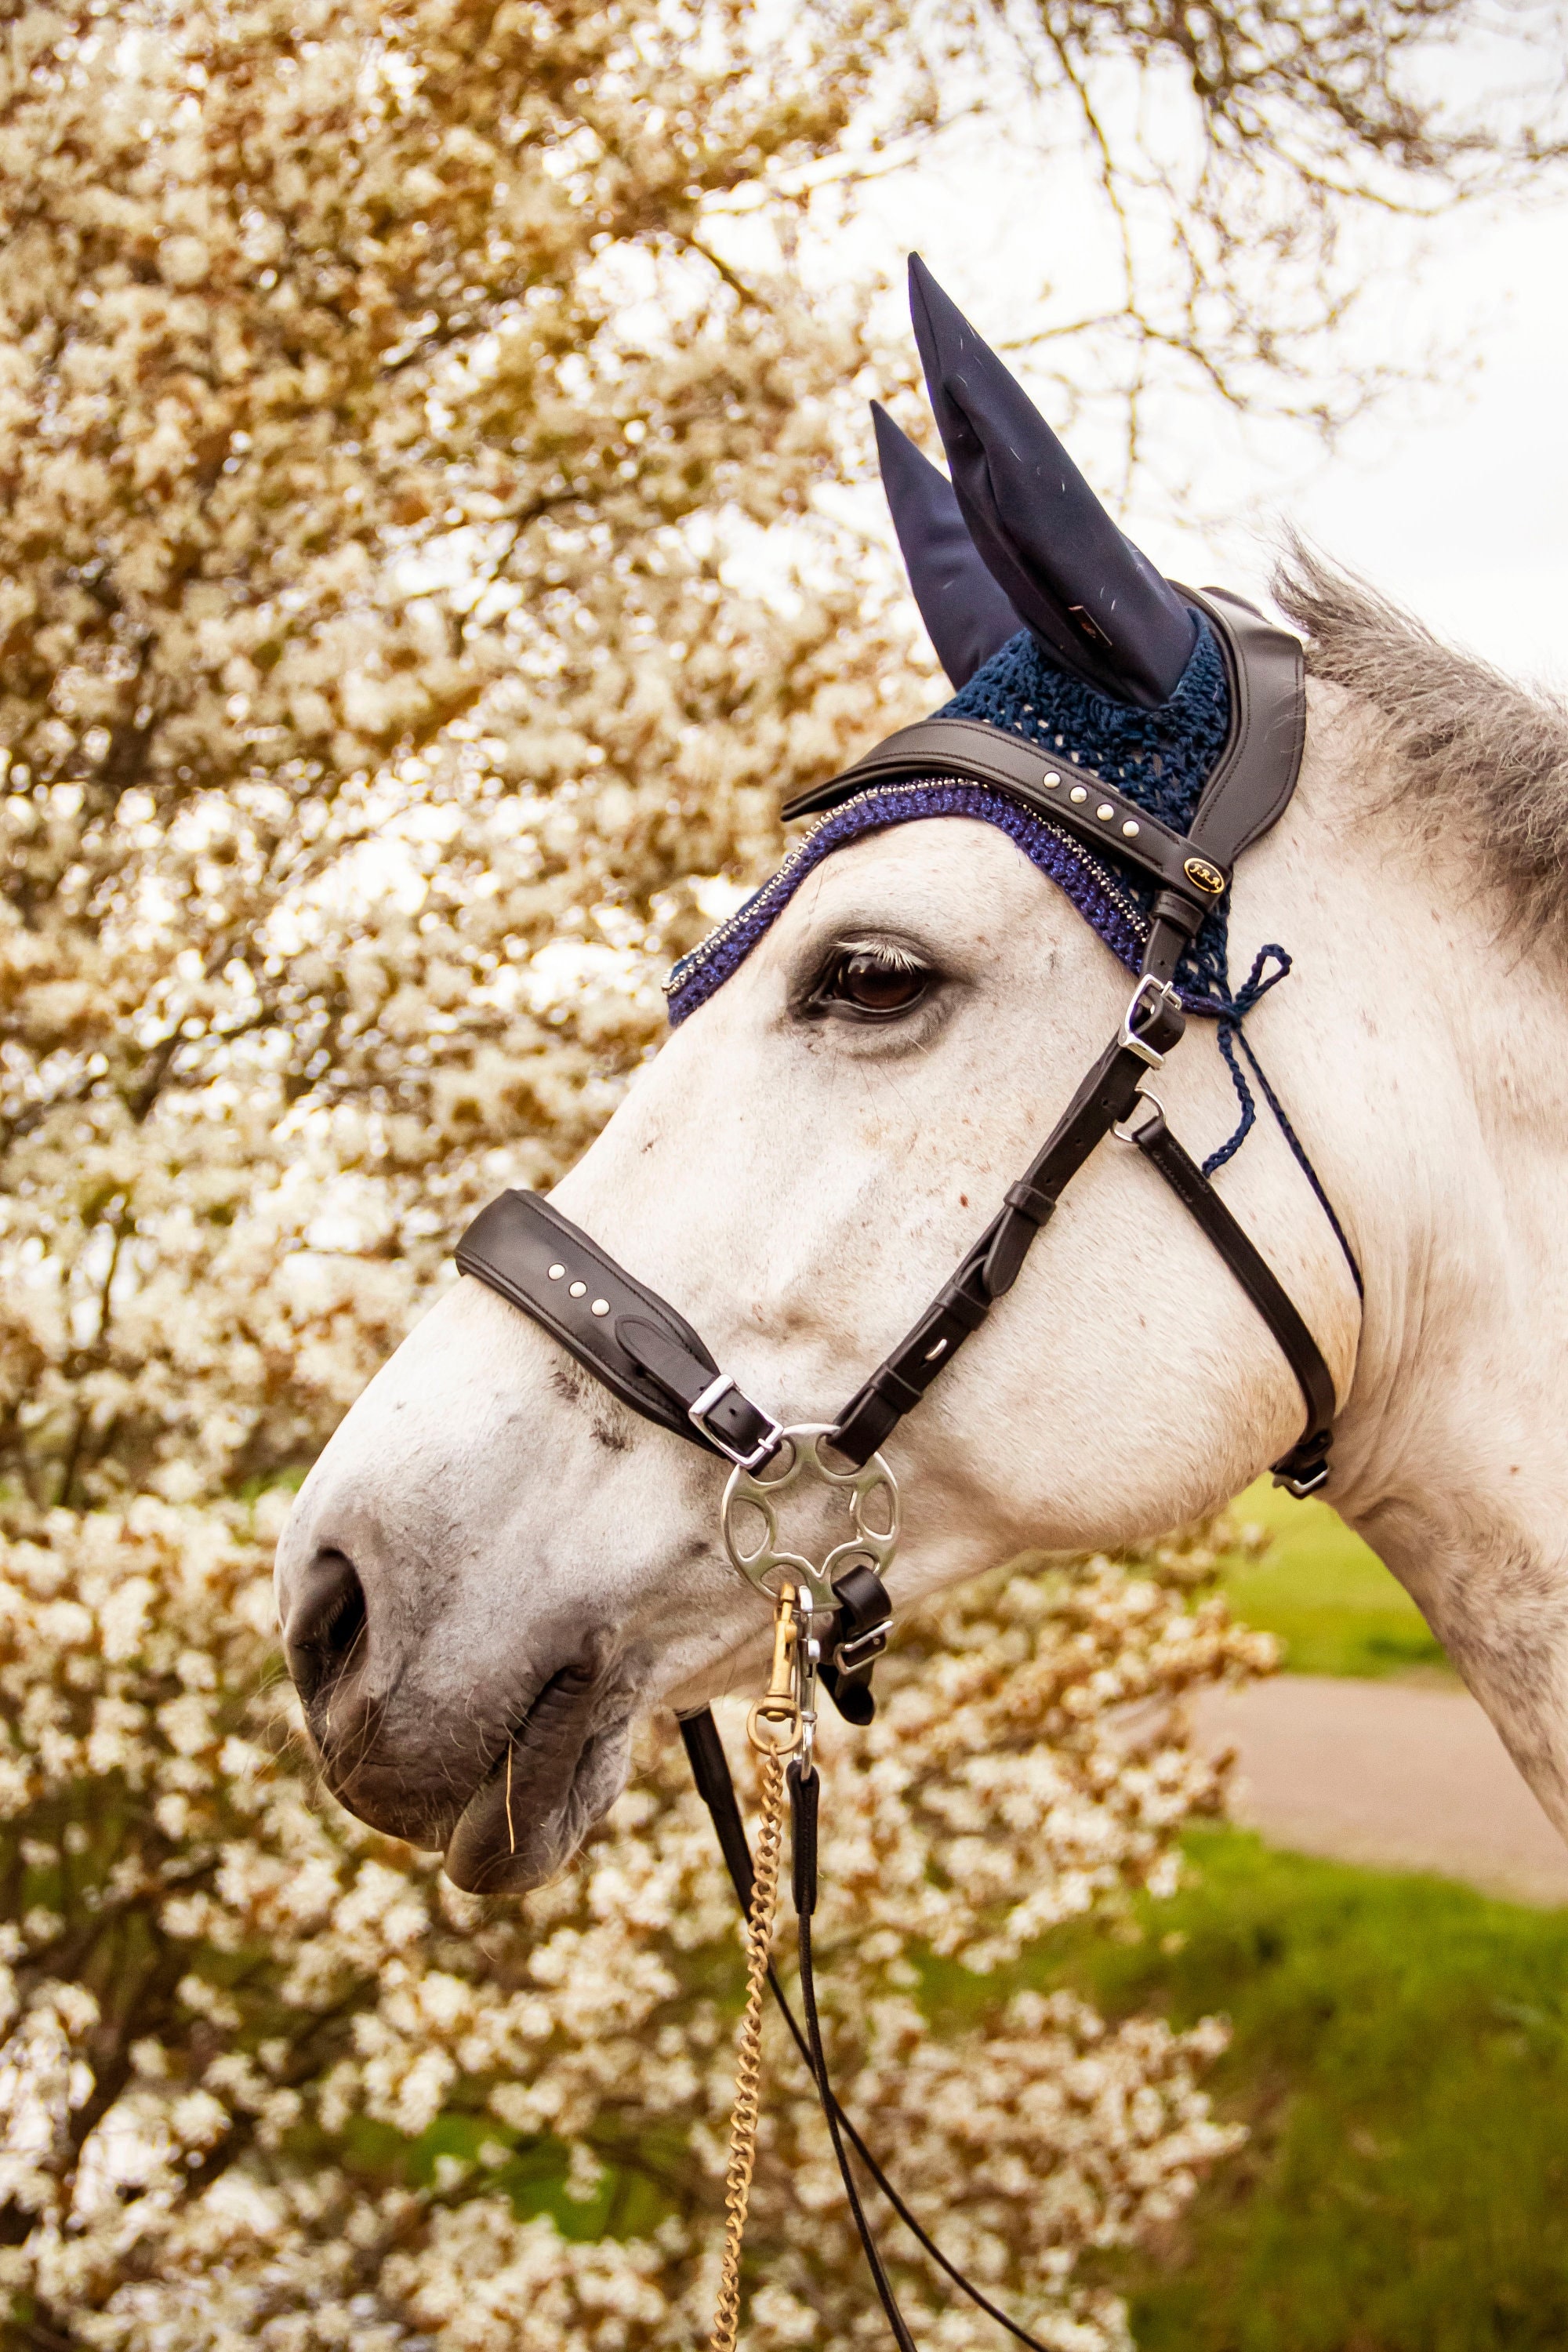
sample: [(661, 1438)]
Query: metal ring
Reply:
[(764, 1564), (1123, 1130)]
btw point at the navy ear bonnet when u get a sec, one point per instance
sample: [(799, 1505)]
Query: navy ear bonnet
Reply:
[(1052, 628)]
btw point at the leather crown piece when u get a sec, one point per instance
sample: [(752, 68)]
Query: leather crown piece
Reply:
[(1247, 790)]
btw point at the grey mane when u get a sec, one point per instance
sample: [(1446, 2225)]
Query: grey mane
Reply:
[(1476, 756)]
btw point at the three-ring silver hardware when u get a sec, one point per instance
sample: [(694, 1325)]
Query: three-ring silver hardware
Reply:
[(696, 1412), (1149, 996), (766, 1564)]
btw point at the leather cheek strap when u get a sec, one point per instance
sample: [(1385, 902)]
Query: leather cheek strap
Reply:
[(1305, 1468), (993, 1265)]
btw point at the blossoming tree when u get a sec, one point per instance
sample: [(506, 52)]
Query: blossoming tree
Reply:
[(389, 427)]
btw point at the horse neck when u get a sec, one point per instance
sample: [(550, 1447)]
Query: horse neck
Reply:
[(1450, 1133)]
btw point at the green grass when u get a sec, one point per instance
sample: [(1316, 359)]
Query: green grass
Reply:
[(1329, 1600), (1400, 2055)]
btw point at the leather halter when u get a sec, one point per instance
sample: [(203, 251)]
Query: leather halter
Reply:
[(650, 1356)]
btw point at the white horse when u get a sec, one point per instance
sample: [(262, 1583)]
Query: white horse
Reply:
[(533, 1565), (494, 1565)]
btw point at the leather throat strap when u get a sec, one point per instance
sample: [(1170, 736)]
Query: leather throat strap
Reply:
[(1306, 1466)]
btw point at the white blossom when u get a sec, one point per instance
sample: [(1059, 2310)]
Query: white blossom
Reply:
[(206, 2017)]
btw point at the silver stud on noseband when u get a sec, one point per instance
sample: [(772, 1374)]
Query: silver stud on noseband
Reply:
[(557, 1272), (576, 1290)]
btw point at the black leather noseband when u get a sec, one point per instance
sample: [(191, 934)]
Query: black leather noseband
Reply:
[(624, 1334), (650, 1356)]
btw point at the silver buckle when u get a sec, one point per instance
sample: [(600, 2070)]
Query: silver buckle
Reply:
[(864, 1646), (1151, 993), (700, 1407)]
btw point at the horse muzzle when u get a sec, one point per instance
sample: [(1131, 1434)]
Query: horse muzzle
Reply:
[(513, 1786)]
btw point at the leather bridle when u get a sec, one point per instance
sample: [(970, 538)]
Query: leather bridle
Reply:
[(642, 1349), (647, 1353)]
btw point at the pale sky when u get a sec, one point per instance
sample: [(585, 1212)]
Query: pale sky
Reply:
[(1453, 497)]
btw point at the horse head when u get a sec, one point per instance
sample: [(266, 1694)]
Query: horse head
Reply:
[(496, 1564)]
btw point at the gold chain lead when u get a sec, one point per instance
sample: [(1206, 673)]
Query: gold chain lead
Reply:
[(774, 1733)]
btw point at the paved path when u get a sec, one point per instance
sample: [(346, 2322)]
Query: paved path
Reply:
[(1400, 1775)]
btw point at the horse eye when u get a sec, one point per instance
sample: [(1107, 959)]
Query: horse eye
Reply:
[(873, 983)]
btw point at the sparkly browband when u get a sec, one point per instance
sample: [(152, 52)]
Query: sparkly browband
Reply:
[(1101, 897)]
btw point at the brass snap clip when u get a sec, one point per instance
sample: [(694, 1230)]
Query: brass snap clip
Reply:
[(773, 1725)]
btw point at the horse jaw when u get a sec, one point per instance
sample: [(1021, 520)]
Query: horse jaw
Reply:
[(800, 1196), (798, 1188)]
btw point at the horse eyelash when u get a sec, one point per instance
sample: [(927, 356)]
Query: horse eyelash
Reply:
[(888, 952)]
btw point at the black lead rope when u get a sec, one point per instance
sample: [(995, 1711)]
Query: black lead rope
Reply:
[(804, 1788), (710, 1774)]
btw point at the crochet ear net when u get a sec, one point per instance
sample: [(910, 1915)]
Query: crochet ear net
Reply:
[(1050, 557)]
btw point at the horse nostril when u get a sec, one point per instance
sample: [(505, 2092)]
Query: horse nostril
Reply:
[(324, 1624)]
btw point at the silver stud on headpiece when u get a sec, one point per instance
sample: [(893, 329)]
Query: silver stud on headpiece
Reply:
[(1129, 830), (1105, 811), (1050, 779), (1077, 793)]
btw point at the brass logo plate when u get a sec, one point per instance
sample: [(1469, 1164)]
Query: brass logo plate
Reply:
[(1207, 877)]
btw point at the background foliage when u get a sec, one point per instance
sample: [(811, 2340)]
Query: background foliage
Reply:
[(1383, 2199), (415, 595)]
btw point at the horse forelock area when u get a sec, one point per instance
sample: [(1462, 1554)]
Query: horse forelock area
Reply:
[(1475, 755)]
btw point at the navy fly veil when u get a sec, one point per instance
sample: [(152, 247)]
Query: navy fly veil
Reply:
[(1132, 738), (1055, 629), (1159, 759)]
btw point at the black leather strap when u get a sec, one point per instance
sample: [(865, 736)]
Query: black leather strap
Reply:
[(1250, 784), (975, 752), (1305, 1468), (627, 1336), (858, 1638), (992, 1266)]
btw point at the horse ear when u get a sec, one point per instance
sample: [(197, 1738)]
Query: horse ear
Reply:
[(1096, 604), (968, 616)]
